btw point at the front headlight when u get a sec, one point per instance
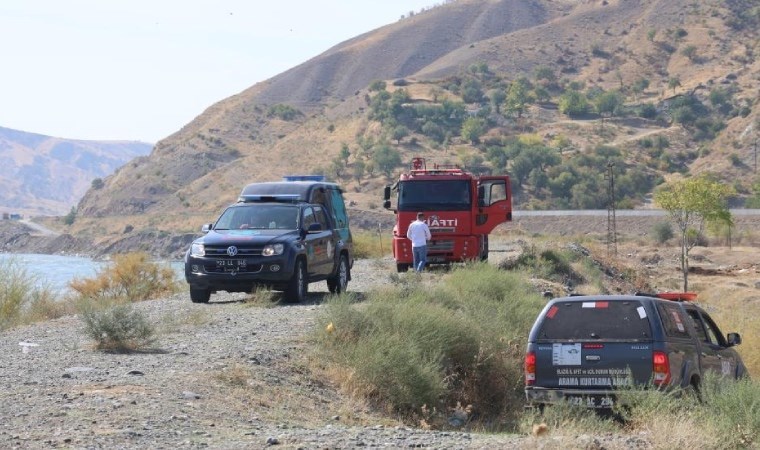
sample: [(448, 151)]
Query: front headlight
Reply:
[(197, 250), (273, 249)]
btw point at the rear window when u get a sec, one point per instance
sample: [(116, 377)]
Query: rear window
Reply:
[(590, 320)]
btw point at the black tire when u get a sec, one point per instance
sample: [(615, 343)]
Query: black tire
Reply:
[(401, 268), (298, 286), (338, 283), (200, 295)]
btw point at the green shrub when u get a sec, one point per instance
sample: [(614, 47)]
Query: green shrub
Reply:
[(118, 328), (411, 348), (663, 232), (129, 277), (22, 298), (283, 112), (547, 264)]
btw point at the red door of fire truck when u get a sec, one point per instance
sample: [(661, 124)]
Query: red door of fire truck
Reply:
[(494, 205)]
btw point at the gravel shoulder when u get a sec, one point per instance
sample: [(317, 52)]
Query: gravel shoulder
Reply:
[(222, 375)]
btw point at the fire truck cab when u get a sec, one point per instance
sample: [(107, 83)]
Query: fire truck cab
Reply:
[(461, 209)]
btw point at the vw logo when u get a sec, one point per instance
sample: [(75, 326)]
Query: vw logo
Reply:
[(232, 250)]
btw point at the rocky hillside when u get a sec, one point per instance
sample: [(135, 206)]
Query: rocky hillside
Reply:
[(43, 175), (682, 77)]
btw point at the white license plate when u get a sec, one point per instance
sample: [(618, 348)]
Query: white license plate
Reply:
[(591, 401), (231, 265)]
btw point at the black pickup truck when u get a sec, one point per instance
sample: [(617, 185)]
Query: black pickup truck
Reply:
[(279, 235), (582, 349)]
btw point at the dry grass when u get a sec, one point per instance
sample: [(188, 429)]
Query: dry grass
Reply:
[(129, 277)]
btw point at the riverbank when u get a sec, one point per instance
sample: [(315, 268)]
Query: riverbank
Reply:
[(16, 237)]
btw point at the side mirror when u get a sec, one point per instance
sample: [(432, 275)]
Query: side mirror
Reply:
[(387, 193), (734, 339), (387, 204), (315, 228), (207, 227)]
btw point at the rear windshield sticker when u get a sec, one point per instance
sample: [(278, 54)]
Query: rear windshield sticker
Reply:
[(677, 318), (552, 311), (566, 354), (642, 312), (595, 304)]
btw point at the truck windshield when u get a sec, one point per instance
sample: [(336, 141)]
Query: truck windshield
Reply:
[(258, 217), (434, 195)]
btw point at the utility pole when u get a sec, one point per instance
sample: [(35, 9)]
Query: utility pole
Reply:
[(755, 146), (611, 226)]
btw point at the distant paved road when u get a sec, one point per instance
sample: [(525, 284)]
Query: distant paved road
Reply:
[(39, 230)]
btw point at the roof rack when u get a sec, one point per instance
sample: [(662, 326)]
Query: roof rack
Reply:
[(281, 198)]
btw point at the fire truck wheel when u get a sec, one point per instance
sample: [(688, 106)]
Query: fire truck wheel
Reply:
[(401, 268)]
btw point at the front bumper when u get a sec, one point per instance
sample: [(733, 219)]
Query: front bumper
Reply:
[(237, 274)]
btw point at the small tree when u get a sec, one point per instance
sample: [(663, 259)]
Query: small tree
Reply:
[(473, 128), (607, 104), (573, 103), (497, 97), (70, 217), (358, 171), (518, 97), (690, 51), (386, 159), (398, 133), (377, 85), (344, 153), (690, 203)]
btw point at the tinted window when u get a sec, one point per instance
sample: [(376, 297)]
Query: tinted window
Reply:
[(596, 320), (673, 320), (321, 218), (713, 332), (308, 217), (699, 328)]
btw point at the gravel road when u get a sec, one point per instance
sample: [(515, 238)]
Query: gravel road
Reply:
[(225, 375)]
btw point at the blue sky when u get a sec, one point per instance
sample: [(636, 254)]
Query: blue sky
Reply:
[(141, 69)]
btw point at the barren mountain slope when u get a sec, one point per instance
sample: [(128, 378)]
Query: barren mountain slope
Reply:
[(602, 44), (48, 175)]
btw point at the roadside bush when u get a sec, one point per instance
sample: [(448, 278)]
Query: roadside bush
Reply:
[(22, 299), (118, 328), (129, 277), (663, 232), (547, 264), (412, 348), (368, 244)]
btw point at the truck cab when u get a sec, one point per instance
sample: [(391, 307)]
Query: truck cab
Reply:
[(461, 209)]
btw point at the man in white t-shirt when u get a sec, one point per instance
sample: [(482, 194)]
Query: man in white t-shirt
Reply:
[(419, 233)]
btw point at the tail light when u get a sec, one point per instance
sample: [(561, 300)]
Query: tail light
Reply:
[(660, 368), (530, 368)]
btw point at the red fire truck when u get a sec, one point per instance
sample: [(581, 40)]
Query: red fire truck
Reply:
[(461, 209)]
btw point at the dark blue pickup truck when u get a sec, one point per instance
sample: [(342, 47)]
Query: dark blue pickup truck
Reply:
[(279, 235), (582, 349)]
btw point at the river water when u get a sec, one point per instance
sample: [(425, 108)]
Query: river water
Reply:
[(56, 271)]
